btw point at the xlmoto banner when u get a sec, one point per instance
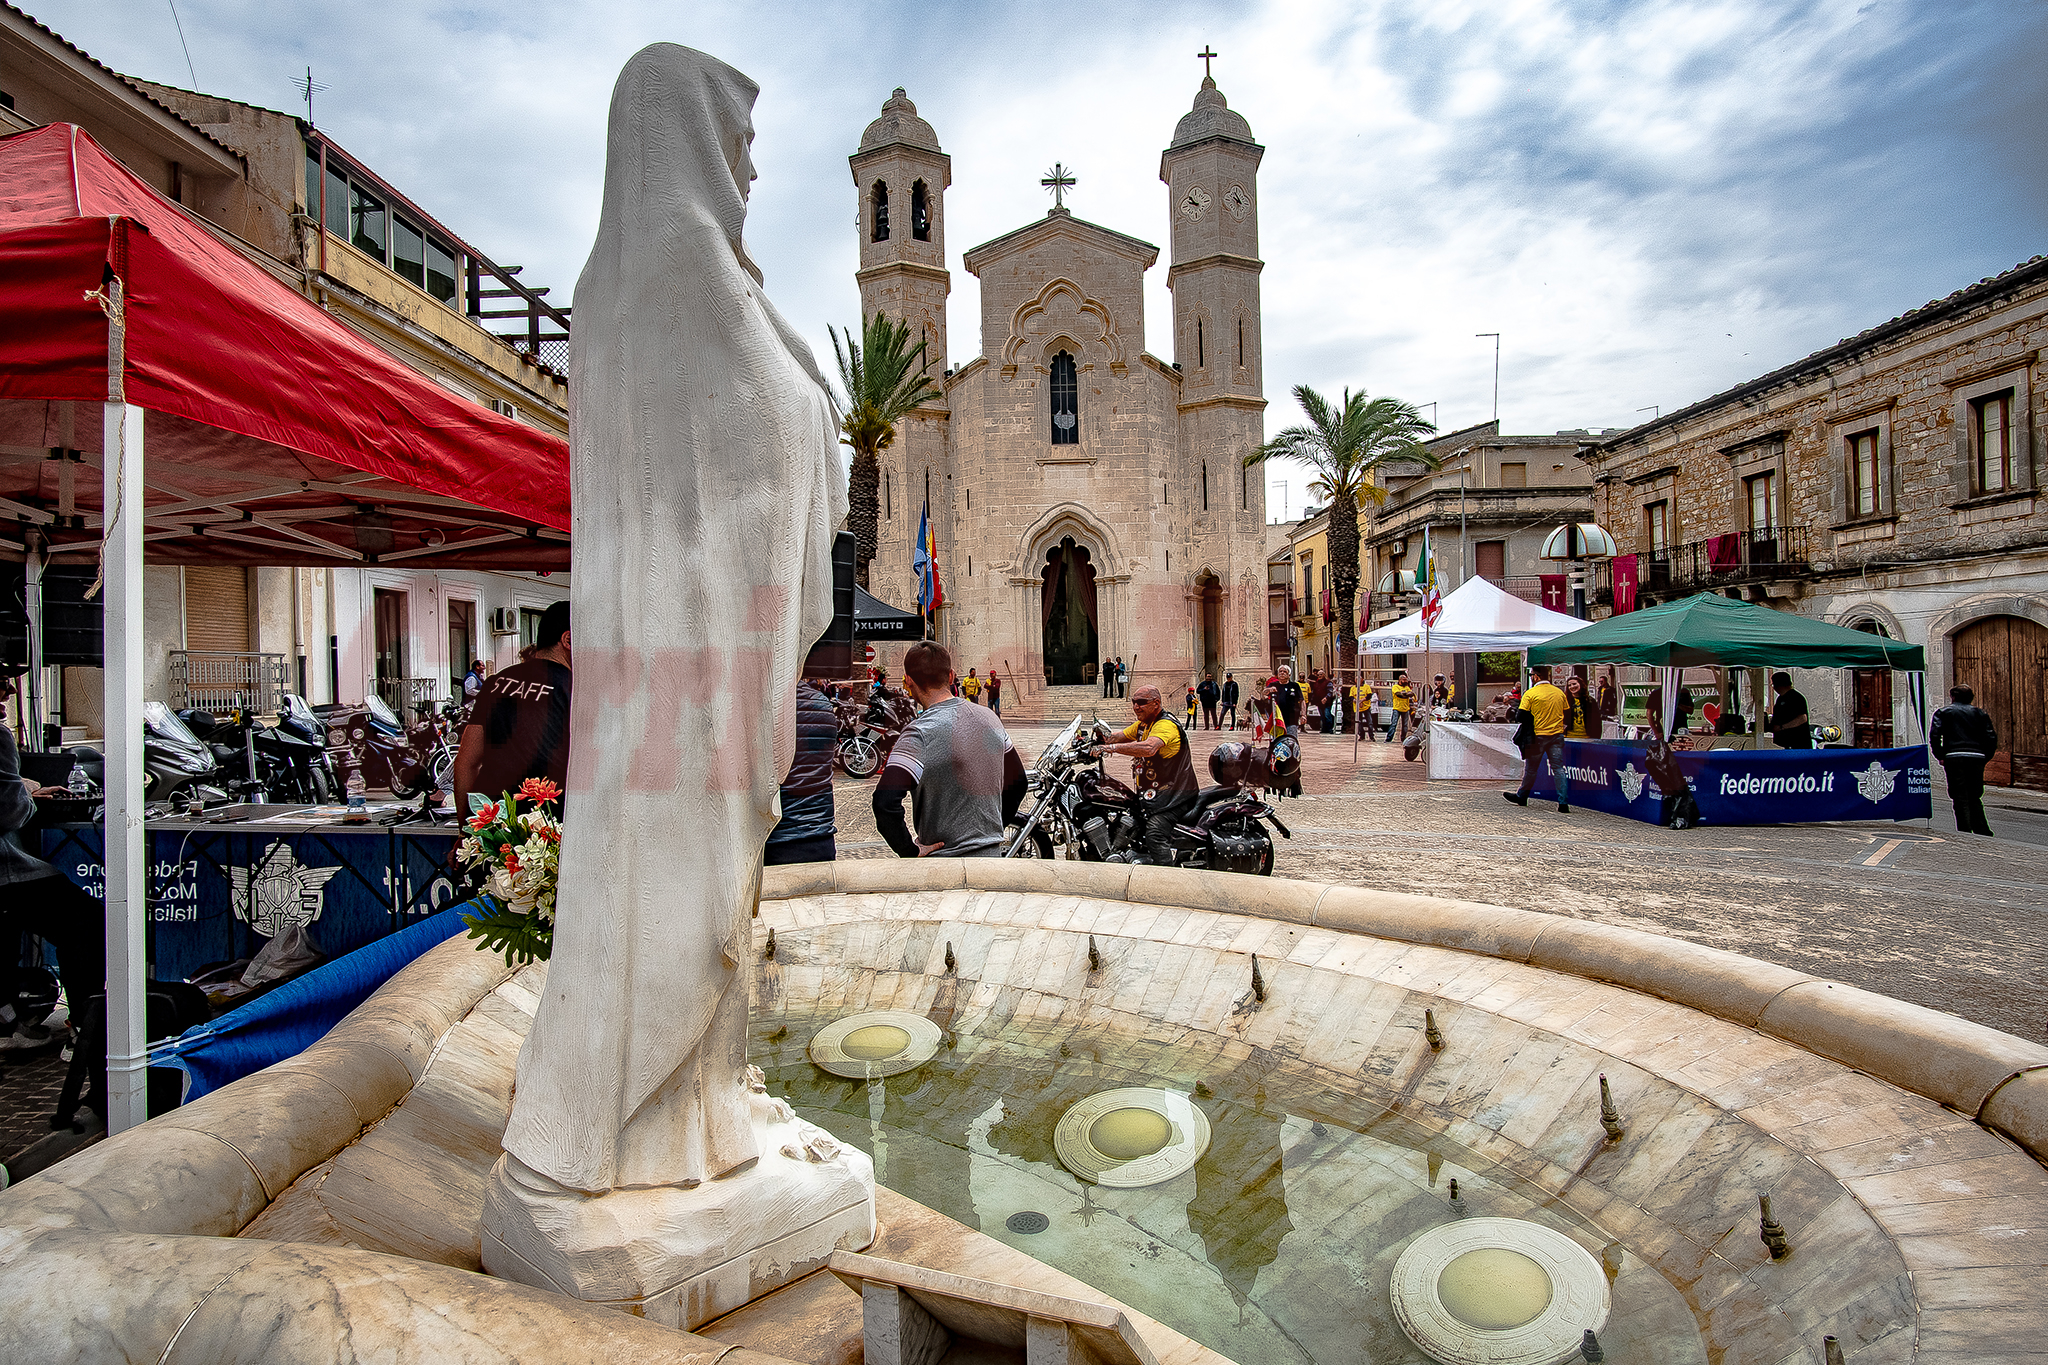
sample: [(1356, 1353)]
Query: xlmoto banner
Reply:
[(1751, 786)]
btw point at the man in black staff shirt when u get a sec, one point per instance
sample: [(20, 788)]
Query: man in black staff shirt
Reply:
[(1287, 699), (1230, 696), (519, 727), (1964, 739), (1790, 726)]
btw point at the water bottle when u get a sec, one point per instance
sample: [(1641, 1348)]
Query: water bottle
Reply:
[(78, 784), (358, 805)]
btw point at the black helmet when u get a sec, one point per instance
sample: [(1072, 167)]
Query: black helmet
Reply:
[(1230, 763)]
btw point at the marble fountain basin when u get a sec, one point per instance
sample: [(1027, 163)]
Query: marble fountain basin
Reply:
[(327, 1208)]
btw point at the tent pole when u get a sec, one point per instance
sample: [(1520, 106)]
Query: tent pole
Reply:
[(127, 898), (32, 602)]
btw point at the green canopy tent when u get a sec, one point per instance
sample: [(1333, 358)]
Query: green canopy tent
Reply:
[(1708, 630)]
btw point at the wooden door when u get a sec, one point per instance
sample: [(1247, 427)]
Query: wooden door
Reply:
[(1873, 713), (389, 615), (461, 643), (2003, 659)]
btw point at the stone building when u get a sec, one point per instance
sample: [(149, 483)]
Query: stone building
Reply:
[(1088, 499), (352, 242), (1888, 483)]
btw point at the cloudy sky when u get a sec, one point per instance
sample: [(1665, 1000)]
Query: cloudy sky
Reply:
[(1649, 201)]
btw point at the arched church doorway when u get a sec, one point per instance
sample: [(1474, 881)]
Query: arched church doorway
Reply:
[(2003, 658), (1209, 594), (1068, 617)]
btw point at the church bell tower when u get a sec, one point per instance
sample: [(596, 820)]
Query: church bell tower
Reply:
[(902, 178), (1211, 173)]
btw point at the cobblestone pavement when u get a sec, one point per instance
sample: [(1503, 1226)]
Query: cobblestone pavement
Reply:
[(1917, 911), (29, 1087)]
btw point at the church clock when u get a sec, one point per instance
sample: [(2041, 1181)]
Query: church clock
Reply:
[(1195, 202), (1236, 201)]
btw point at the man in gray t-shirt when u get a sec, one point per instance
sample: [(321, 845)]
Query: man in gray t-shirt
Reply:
[(956, 764)]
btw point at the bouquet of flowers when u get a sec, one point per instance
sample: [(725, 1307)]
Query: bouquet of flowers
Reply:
[(516, 849)]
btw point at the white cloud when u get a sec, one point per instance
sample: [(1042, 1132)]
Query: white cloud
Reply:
[(1615, 187)]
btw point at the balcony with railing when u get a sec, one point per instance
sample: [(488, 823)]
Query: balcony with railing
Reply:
[(218, 682), (411, 698), (1738, 558)]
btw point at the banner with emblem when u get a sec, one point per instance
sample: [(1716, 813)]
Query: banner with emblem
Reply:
[(1751, 786)]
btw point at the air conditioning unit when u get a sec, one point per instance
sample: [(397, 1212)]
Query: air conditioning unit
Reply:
[(504, 620)]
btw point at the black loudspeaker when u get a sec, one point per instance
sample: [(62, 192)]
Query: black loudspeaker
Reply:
[(832, 655)]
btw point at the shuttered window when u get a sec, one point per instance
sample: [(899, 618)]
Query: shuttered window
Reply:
[(217, 609), (1493, 558)]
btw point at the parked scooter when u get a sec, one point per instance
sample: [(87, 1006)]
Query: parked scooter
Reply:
[(867, 735), (1100, 819), (369, 738), (176, 764)]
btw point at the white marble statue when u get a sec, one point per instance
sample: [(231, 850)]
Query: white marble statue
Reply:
[(706, 490)]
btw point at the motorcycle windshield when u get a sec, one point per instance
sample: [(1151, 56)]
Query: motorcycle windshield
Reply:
[(299, 716), (162, 722), (1059, 744), (382, 714)]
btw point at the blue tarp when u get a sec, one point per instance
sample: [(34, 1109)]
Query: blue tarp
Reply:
[(297, 1014)]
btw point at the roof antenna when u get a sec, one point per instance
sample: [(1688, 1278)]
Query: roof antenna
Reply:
[(308, 88), (181, 43)]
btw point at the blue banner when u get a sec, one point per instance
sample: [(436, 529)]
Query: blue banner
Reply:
[(1747, 786), (218, 894)]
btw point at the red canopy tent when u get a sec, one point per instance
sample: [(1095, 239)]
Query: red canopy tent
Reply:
[(275, 436)]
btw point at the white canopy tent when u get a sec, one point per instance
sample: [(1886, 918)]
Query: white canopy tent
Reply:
[(1478, 616)]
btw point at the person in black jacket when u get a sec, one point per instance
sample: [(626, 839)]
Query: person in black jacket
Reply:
[(1964, 739), (1230, 695), (1209, 692), (805, 832)]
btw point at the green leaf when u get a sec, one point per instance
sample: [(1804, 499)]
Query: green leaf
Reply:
[(521, 938)]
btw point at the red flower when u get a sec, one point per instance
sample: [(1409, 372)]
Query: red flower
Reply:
[(511, 863), (538, 791), (485, 817)]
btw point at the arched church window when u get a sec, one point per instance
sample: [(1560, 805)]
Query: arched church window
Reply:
[(879, 200), (1240, 343), (1205, 485), (920, 213), (1200, 359), (1066, 400)]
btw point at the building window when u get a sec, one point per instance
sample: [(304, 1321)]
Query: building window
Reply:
[(1760, 490), (878, 200), (1066, 397), (1492, 558), (1991, 442), (1514, 476), (1240, 343), (1657, 526), (356, 213), (886, 513), (920, 213), (1866, 479), (1201, 355), (366, 231)]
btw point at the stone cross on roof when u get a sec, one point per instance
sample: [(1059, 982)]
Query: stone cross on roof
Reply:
[(1205, 54), (1059, 180)]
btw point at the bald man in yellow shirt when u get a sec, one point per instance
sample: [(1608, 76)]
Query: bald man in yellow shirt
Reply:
[(1545, 705)]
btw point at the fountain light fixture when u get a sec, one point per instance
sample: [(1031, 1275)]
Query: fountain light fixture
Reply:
[(1498, 1291), (1131, 1137), (876, 1044)]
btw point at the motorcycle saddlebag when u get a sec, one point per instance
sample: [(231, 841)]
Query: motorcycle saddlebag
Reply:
[(1234, 853)]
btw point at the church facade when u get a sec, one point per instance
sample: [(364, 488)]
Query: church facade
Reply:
[(1088, 499)]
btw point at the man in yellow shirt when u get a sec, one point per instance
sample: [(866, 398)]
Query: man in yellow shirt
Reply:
[(970, 687), (1404, 707), (1542, 738), (1163, 773)]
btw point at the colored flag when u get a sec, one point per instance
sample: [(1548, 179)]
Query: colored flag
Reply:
[(1624, 584), (1426, 583), (930, 596)]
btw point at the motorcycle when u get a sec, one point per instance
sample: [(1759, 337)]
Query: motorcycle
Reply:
[(177, 764), (1100, 819), (867, 735), (368, 737), (281, 762)]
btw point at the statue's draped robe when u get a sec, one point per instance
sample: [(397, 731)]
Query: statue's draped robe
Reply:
[(707, 487)]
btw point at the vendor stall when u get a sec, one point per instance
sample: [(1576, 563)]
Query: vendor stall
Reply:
[(275, 436), (1478, 618), (1746, 785)]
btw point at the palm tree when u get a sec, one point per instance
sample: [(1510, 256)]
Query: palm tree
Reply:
[(1344, 446), (881, 388)]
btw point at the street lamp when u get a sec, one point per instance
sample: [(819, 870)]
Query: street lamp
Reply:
[(1574, 543)]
